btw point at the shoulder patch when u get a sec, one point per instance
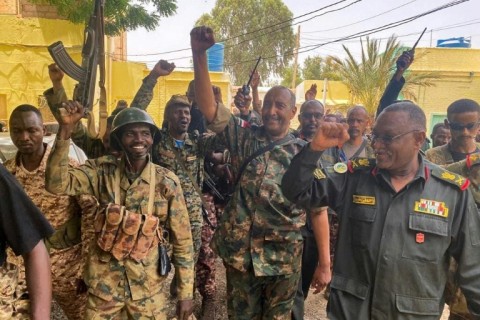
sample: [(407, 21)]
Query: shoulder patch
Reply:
[(457, 180), (360, 163)]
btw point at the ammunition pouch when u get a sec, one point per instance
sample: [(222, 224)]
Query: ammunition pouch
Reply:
[(126, 234)]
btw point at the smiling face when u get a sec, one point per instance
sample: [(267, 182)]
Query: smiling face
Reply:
[(136, 139), (310, 116), (397, 154), (26, 132), (463, 127), (277, 111)]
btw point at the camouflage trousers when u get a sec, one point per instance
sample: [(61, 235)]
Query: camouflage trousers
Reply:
[(205, 267), (66, 270), (123, 307), (260, 298)]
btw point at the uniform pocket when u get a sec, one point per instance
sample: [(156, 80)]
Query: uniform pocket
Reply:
[(418, 305), (427, 238), (282, 247), (361, 218), (127, 235), (351, 286)]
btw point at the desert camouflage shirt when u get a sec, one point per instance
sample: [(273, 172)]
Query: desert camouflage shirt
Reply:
[(97, 177), (259, 227)]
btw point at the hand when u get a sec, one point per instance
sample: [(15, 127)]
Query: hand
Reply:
[(255, 80), (55, 73), (321, 278), (70, 113), (328, 135), (217, 93), (201, 38), (184, 309), (405, 60), (162, 68), (242, 102), (311, 93)]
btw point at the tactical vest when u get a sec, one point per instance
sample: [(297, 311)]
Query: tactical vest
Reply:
[(124, 233)]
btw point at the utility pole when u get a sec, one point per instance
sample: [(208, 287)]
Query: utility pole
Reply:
[(297, 45)]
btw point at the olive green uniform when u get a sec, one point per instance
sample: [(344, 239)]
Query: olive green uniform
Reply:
[(128, 286), (393, 250)]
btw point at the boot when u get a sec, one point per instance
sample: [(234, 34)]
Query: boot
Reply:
[(208, 309)]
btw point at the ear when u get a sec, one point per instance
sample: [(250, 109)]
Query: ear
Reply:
[(44, 130), (420, 137), (294, 111)]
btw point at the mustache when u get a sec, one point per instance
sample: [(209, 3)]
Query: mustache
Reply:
[(271, 117)]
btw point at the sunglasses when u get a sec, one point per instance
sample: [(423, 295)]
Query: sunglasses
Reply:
[(460, 127)]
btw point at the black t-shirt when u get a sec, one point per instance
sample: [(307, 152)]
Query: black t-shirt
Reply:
[(22, 225), (459, 156), (197, 121)]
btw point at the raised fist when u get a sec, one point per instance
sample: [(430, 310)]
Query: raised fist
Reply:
[(201, 38), (328, 135), (55, 73), (311, 93), (163, 68)]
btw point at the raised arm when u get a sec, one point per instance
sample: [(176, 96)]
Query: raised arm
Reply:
[(201, 38), (144, 95), (396, 83)]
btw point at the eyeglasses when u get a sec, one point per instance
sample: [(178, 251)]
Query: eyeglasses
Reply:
[(309, 115), (460, 127), (386, 139)]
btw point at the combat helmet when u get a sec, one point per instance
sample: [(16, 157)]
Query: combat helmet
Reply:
[(128, 116)]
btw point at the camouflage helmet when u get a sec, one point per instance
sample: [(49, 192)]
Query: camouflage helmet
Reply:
[(129, 116)]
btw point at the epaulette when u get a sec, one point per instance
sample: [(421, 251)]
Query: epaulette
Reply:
[(457, 180), (360, 163), (472, 159)]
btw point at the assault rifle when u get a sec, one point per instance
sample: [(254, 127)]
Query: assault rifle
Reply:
[(93, 56)]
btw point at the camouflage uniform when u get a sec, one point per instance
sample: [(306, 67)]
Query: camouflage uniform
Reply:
[(128, 286), (453, 295), (66, 263), (253, 118), (258, 236)]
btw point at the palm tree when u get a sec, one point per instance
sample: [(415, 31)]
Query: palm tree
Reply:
[(368, 78)]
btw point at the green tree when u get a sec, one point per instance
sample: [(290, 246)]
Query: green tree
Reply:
[(120, 15), (287, 76), (319, 68), (368, 77), (235, 22)]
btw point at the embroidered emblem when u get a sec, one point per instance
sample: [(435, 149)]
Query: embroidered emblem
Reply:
[(420, 238), (318, 174), (340, 167), (368, 200), (435, 208)]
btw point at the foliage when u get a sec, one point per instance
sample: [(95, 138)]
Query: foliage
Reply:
[(368, 77), (120, 15), (287, 76), (235, 22), (319, 68)]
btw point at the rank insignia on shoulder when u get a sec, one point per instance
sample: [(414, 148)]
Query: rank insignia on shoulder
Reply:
[(432, 207), (455, 179), (340, 167), (191, 158), (318, 174), (367, 200)]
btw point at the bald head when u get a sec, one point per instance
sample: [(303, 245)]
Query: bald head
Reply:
[(415, 114)]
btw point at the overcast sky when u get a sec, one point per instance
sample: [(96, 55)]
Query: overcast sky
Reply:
[(462, 20)]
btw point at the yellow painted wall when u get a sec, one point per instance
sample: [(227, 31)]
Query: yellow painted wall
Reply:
[(459, 71), (24, 58)]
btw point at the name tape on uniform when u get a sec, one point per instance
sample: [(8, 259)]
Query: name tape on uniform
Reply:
[(368, 200)]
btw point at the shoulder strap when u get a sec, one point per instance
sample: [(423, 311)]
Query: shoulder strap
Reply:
[(360, 149), (288, 139)]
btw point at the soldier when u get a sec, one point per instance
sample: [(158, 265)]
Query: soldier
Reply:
[(258, 236), (440, 135), (94, 147), (28, 166), (22, 228), (401, 218), (463, 118), (141, 202), (316, 250)]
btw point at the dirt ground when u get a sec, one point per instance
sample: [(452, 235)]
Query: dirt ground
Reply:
[(315, 305)]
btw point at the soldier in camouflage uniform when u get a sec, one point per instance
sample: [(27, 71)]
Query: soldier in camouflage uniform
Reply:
[(258, 236), (463, 118), (94, 147), (28, 166), (122, 284)]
